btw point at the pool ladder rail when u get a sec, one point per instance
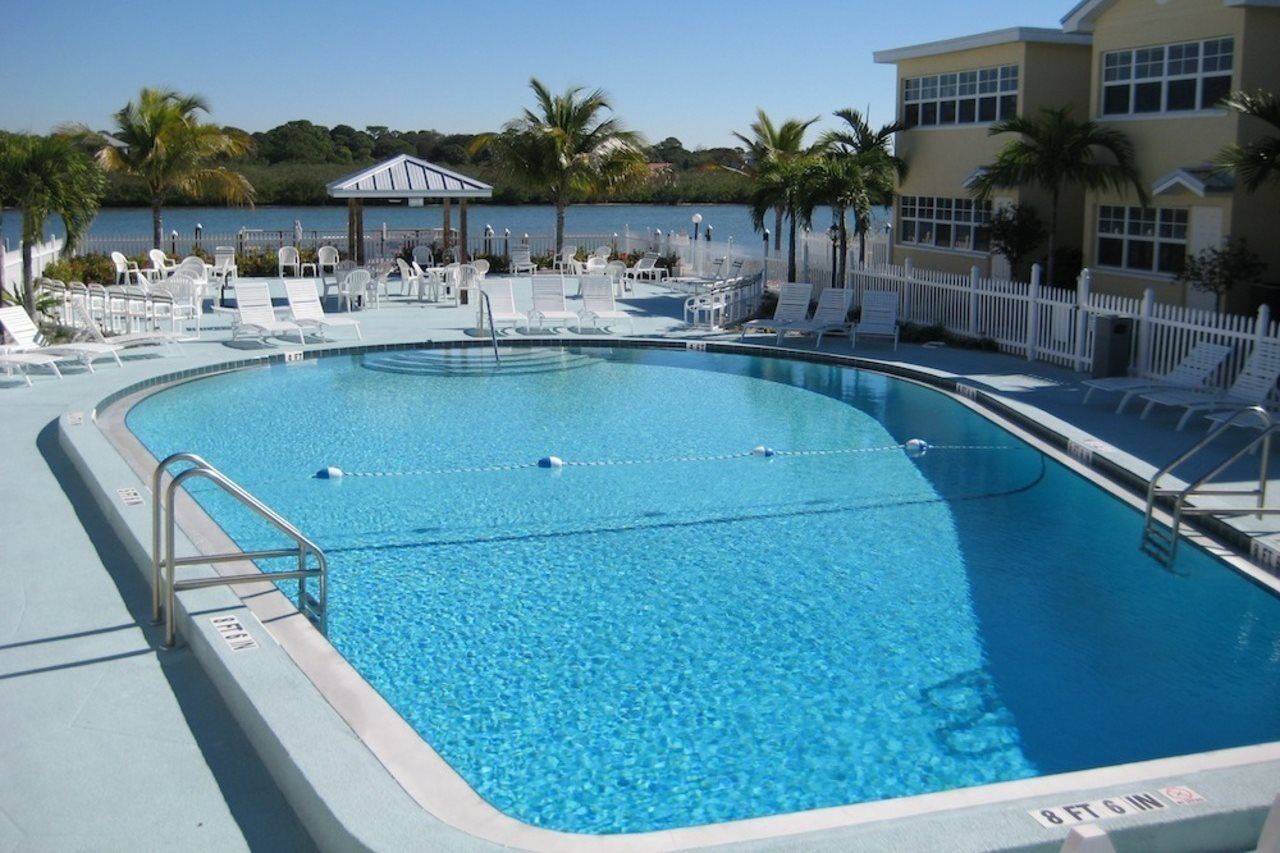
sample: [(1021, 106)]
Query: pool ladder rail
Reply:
[(164, 585), (1160, 541), (486, 304)]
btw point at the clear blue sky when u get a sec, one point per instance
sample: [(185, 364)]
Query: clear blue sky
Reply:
[(694, 70)]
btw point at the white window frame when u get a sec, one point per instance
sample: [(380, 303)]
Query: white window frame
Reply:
[(960, 219), (1134, 227), (1157, 67), (948, 93)]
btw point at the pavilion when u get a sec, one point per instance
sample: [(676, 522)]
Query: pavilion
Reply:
[(405, 177)]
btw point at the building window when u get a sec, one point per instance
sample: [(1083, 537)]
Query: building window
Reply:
[(945, 223), (1170, 78), (1142, 239), (963, 97)]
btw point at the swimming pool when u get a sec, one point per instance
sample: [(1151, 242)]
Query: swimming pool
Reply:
[(683, 632)]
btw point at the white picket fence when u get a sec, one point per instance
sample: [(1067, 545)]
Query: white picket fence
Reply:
[(1057, 325), (42, 254)]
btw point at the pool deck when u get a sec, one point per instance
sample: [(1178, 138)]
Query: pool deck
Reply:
[(110, 743)]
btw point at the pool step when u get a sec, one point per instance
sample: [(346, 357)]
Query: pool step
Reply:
[(476, 362)]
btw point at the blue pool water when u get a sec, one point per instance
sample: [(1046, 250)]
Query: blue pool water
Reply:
[(688, 633)]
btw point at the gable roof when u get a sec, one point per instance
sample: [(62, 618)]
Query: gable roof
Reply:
[(407, 177), (1085, 13), (992, 38), (1200, 180)]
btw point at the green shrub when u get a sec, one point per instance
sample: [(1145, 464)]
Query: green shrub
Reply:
[(94, 268)]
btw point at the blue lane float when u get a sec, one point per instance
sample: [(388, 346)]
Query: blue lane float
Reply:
[(551, 462), (330, 473), (761, 450)]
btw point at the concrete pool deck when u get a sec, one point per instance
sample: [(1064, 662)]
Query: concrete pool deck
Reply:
[(110, 743)]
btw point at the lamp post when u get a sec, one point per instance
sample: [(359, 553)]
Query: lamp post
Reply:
[(834, 233), (697, 223)]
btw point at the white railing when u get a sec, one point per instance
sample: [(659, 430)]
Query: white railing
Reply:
[(42, 254)]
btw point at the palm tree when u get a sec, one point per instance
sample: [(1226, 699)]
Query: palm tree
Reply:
[(161, 140), (1258, 161), (841, 183), (868, 153), (786, 185), (1057, 152), (43, 176), (566, 148), (768, 144)]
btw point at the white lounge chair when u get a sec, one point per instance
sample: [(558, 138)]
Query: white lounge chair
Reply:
[(522, 261), (879, 317), (831, 315), (549, 302), (646, 269), (27, 339), (502, 303), (1251, 387), (792, 308), (598, 304), (1195, 369), (304, 305), (88, 326), (256, 316)]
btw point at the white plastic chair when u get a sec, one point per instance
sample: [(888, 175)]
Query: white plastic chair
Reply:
[(186, 300), (423, 257), (161, 266), (304, 305), (604, 252), (327, 259), (288, 258), (879, 317), (617, 272), (482, 267), (127, 271), (598, 304), (354, 286)]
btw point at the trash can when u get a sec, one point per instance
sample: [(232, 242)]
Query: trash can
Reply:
[(1112, 345)]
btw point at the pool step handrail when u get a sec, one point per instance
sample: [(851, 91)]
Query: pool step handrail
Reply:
[(164, 585), (1161, 541), (486, 304)]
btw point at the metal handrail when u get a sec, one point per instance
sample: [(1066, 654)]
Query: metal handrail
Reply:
[(487, 304), (165, 586), (1181, 496)]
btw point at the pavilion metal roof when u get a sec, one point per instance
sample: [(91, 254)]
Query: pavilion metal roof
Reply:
[(408, 177)]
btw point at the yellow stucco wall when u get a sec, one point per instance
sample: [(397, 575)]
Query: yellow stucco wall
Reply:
[(1164, 142), (940, 159)]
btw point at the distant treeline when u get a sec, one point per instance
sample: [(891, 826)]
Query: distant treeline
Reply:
[(290, 165)]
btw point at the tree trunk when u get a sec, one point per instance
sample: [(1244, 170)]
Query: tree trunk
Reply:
[(1053, 239), (560, 209), (777, 229), (156, 224), (844, 249), (28, 276), (791, 246)]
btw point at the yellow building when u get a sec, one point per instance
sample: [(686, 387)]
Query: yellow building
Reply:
[(1158, 72), (1153, 69), (949, 93)]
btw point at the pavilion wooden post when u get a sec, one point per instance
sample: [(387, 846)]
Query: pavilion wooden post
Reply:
[(447, 229), (351, 226), (464, 252)]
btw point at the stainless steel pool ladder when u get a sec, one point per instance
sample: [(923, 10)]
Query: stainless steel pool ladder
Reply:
[(1161, 542), (164, 585), (487, 305)]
